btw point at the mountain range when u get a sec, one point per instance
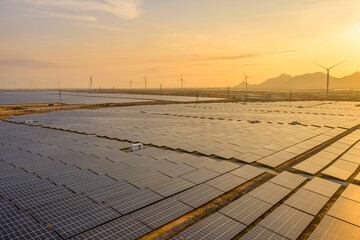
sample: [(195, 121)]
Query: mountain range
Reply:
[(308, 81)]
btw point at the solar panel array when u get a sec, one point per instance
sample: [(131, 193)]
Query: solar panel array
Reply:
[(270, 143), (348, 147), (18, 224), (342, 220), (162, 212), (84, 184), (287, 221), (250, 207), (73, 182), (217, 226), (331, 228)]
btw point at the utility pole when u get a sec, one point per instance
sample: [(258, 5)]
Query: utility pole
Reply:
[(91, 83), (228, 93), (60, 98)]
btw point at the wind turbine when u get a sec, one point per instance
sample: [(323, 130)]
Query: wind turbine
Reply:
[(131, 84), (328, 75), (182, 81), (91, 82), (245, 80), (145, 79)]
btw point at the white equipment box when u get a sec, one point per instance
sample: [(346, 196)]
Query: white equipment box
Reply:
[(136, 147)]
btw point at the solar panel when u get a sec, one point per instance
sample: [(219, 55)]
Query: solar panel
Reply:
[(39, 197), (217, 226), (308, 167), (60, 207), (248, 172), (39, 231), (125, 227), (322, 186), (16, 224), (227, 154), (270, 192), (307, 201), (318, 160), (246, 209), (248, 157), (287, 221), (259, 232), (132, 200), (198, 195), (200, 175), (172, 186), (226, 182), (175, 170), (352, 192), (346, 210), (341, 169), (147, 179), (106, 191), (79, 221), (288, 180), (222, 166), (334, 229), (162, 212), (271, 161), (23, 187)]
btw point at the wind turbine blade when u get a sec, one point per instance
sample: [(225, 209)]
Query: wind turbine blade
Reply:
[(336, 65), (320, 65)]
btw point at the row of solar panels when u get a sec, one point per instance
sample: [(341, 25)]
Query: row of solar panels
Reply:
[(267, 113), (345, 151), (287, 221)]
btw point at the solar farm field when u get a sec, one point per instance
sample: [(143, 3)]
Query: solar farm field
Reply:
[(277, 170)]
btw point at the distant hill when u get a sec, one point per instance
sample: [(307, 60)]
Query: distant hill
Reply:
[(309, 81)]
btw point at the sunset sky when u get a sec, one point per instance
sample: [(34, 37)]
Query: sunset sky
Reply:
[(211, 42)]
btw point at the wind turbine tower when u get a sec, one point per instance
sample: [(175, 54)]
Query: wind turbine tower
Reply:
[(182, 81), (131, 84), (91, 82), (245, 80), (328, 75), (145, 79)]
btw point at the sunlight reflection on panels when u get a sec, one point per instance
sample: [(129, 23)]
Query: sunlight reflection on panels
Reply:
[(334, 229)]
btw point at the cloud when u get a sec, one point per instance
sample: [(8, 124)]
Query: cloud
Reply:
[(125, 9), (105, 27), (85, 18), (234, 57)]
